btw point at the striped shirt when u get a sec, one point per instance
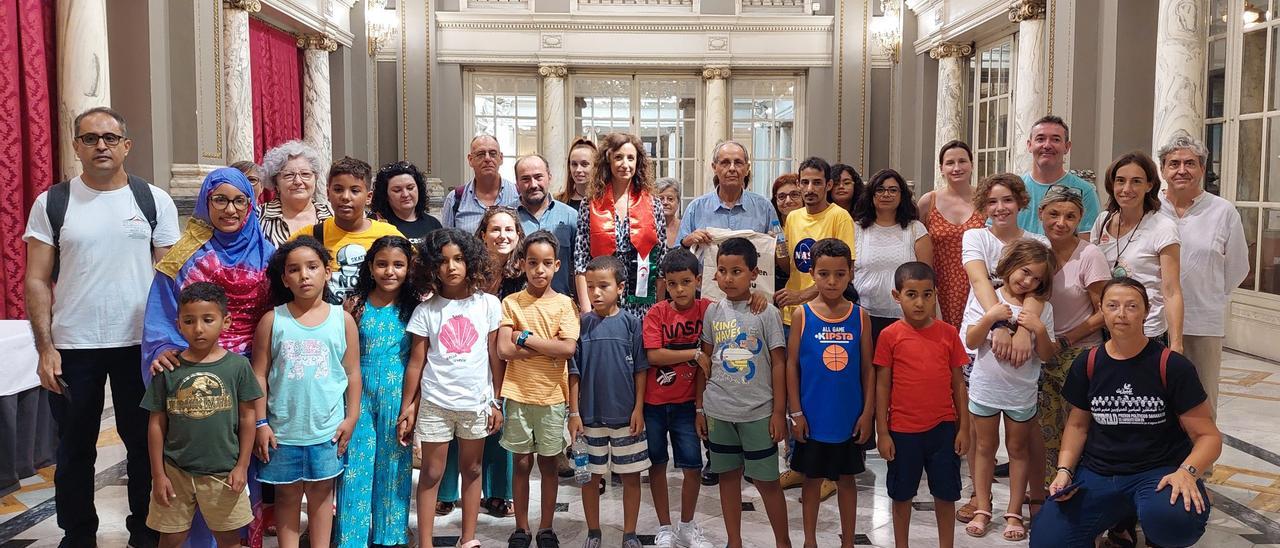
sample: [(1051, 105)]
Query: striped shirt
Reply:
[(274, 227), (539, 380)]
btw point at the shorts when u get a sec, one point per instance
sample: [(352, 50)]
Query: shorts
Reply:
[(817, 459), (1016, 415), (223, 509), (679, 420), (614, 449), (439, 425), (294, 463), (534, 428), (745, 445), (931, 452)]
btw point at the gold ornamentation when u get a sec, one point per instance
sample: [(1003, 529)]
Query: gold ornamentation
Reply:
[(251, 6), (950, 49), (316, 41), (715, 73), (1026, 10), (553, 71)]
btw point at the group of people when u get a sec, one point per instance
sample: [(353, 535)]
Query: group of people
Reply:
[(306, 345)]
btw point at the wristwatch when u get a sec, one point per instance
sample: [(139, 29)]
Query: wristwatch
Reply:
[(524, 336), (1191, 469)]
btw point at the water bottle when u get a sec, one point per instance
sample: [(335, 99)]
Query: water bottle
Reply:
[(579, 451), (780, 251)]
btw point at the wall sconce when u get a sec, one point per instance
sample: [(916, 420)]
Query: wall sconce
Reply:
[(380, 24), (886, 29)]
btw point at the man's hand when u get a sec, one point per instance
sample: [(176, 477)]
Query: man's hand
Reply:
[(697, 237), (49, 369)]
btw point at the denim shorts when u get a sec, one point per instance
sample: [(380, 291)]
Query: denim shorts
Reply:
[(677, 420), (294, 463)]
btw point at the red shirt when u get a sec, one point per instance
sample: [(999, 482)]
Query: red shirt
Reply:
[(666, 327), (921, 361)]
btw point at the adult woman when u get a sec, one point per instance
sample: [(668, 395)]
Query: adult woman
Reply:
[(292, 170), (890, 234), (254, 173), (786, 198), (1142, 244), (846, 186), (621, 218), (582, 157), (947, 213), (501, 232), (1124, 459), (400, 198), (667, 190), (223, 244)]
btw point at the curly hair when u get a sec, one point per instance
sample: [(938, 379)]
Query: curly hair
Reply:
[(426, 272), (275, 159), (280, 294), (203, 292), (382, 185), (512, 268), (409, 295), (864, 208), (603, 178), (840, 169), (1008, 180), (541, 236)]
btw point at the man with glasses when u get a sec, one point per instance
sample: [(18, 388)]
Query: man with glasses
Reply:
[(729, 205), (1048, 145), (98, 233), (464, 206)]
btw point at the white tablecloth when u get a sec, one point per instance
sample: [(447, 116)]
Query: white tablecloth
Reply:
[(18, 357)]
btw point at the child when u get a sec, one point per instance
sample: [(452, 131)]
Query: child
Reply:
[(538, 334), (453, 374), (997, 387), (349, 233), (607, 383), (373, 495), (306, 355), (829, 388), (672, 329), (201, 427), (744, 392), (921, 406)]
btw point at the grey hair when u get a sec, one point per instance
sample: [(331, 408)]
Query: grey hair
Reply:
[(275, 159), (715, 153), (75, 125), (480, 136), (1184, 141), (672, 183)]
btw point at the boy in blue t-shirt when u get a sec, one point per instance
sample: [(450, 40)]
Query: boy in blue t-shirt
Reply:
[(606, 397)]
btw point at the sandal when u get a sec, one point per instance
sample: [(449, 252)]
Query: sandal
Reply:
[(473, 543), (964, 514), (975, 529), (1014, 533), (445, 508), (498, 507)]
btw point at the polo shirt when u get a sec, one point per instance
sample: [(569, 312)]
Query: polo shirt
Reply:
[(752, 212), (471, 210), (559, 219)]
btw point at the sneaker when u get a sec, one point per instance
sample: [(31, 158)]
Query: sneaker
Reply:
[(709, 478), (631, 542), (689, 535), (519, 539), (593, 542), (790, 479), (665, 538), (548, 539), (1002, 470)]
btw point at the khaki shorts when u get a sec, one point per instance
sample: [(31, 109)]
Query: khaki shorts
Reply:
[(439, 425), (534, 428), (223, 509)]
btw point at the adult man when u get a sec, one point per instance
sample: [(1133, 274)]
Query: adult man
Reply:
[(464, 207), (538, 211), (89, 328), (1049, 143), (729, 205), (818, 219), (1215, 255)]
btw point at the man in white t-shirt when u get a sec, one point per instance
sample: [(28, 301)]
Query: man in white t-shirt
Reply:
[(88, 328), (1215, 255)]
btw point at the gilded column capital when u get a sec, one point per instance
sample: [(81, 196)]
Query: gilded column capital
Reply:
[(251, 6), (716, 73), (553, 71), (1026, 10), (951, 49), (316, 41)]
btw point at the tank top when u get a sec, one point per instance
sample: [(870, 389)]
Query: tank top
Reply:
[(306, 385), (831, 374), (952, 281)]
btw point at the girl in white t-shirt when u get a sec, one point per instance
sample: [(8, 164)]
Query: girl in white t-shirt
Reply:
[(1000, 387), (449, 384)]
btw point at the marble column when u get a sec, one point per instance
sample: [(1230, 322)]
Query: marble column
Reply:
[(1180, 56), (1031, 79), (317, 121), (238, 95), (84, 75), (551, 122), (951, 101), (715, 127)]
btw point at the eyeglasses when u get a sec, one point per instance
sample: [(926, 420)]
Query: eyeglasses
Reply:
[(304, 176), (888, 190), (91, 139), (486, 153), (221, 202), (793, 195)]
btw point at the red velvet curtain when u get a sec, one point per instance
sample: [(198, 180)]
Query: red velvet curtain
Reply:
[(275, 62), (27, 133)]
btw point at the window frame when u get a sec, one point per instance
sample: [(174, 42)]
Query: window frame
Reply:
[(976, 102), (469, 77), (798, 143)]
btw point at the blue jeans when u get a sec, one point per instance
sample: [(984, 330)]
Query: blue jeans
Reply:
[(677, 421), (1103, 501)]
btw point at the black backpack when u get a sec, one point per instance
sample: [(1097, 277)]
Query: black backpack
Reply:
[(60, 195)]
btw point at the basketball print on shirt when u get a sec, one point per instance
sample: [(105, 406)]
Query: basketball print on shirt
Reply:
[(834, 338), (458, 335)]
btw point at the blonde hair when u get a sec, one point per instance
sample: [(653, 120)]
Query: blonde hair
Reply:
[(1027, 251)]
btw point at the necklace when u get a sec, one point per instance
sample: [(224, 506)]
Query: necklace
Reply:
[(1118, 271)]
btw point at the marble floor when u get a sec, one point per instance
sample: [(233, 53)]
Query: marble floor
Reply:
[(1245, 486)]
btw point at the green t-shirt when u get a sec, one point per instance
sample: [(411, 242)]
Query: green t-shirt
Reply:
[(202, 404)]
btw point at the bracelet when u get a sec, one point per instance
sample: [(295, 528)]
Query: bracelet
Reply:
[(574, 415), (524, 336), (1070, 474), (261, 423), (1012, 327), (699, 411), (797, 414)]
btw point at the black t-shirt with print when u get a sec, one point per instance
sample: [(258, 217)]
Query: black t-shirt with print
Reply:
[(1135, 424), (416, 231)]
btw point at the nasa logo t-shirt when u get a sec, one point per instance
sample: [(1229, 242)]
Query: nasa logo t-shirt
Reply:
[(666, 327)]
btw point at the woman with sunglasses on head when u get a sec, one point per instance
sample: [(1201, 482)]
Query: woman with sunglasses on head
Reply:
[(400, 198), (291, 169)]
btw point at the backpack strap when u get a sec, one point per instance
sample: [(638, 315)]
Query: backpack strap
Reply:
[(1164, 367), (146, 201), (317, 232), (1088, 364), (457, 201), (55, 207)]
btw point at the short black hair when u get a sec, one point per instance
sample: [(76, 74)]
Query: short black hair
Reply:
[(75, 126), (203, 292), (814, 162), (830, 247), (740, 247), (539, 237), (1055, 120), (914, 270), (1125, 281), (354, 167), (608, 263), (681, 260)]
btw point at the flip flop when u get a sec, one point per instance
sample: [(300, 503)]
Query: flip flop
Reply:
[(976, 531), (1014, 533)]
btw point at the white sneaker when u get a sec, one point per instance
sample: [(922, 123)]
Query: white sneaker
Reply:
[(665, 538), (690, 536)]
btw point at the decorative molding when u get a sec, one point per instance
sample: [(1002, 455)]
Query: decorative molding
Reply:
[(553, 71), (348, 3), (218, 90), (1025, 10), (716, 73), (634, 3), (316, 41), (598, 59), (448, 23), (951, 49), (305, 17), (718, 43), (185, 179), (551, 40), (251, 6)]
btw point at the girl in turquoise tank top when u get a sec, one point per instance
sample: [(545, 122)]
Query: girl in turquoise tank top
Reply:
[(829, 388), (307, 359)]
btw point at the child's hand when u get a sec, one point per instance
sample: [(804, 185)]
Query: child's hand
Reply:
[(637, 422), (1030, 321), (1001, 311), (162, 491), (238, 478), (862, 430), (266, 442), (575, 428), (700, 425), (777, 427), (800, 428), (884, 444), (1022, 347), (166, 361), (404, 429), (962, 442), (704, 363), (343, 436), (758, 302), (495, 418)]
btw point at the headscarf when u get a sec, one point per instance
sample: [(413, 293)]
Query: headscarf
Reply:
[(235, 261)]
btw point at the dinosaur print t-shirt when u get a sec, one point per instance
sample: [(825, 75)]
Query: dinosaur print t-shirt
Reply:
[(740, 384), (457, 375), (201, 402)]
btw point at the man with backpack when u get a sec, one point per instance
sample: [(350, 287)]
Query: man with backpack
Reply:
[(98, 236), (465, 204)]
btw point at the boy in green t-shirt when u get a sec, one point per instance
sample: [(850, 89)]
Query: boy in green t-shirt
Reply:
[(202, 427)]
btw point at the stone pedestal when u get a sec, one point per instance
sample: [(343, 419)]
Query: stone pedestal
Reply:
[(84, 75), (1029, 99), (238, 95), (317, 121), (951, 101), (1180, 57), (551, 123), (715, 126)]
